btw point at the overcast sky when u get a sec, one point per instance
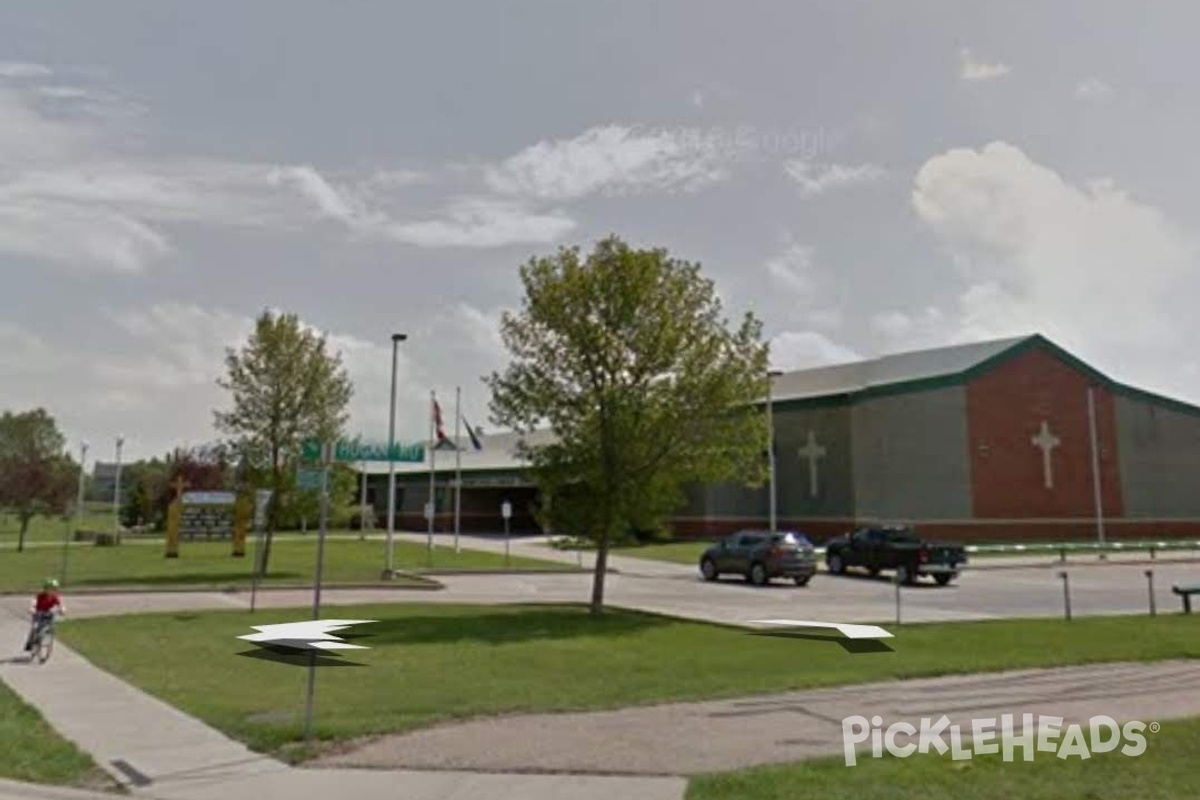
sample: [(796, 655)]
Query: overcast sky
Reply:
[(866, 177)]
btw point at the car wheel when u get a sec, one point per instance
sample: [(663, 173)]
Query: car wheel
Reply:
[(834, 562), (758, 575), (943, 578), (802, 580), (708, 568)]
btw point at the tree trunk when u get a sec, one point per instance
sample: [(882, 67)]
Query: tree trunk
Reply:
[(272, 513), (21, 536), (601, 570)]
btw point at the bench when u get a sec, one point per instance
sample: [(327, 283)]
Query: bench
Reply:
[(1186, 590)]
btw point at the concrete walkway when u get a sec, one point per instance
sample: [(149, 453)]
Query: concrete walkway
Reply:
[(158, 751), (539, 547)]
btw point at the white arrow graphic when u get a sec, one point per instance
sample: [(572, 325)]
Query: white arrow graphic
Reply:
[(849, 630), (311, 635)]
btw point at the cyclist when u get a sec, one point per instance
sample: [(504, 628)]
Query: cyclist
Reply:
[(44, 606)]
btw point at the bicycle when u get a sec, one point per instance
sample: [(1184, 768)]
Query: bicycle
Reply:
[(42, 639)]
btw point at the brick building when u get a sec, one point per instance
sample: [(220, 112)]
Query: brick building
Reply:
[(1002, 440)]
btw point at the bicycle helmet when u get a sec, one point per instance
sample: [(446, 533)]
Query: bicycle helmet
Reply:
[(50, 583)]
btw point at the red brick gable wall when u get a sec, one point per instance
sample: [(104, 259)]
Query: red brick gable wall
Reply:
[(1005, 410)]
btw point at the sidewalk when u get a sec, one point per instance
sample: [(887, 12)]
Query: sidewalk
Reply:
[(539, 547), (159, 752)]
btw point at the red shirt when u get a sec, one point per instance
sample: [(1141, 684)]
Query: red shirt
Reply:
[(47, 601)]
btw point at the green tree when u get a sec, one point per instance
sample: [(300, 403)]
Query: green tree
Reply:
[(304, 505), (285, 387), (36, 475), (626, 356)]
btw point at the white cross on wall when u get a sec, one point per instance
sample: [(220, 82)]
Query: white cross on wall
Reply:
[(812, 451), (1046, 441)]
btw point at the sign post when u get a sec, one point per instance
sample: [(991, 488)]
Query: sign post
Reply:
[(175, 517), (326, 460), (350, 450), (506, 512)]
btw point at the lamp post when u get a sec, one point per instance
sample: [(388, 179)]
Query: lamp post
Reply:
[(83, 448), (771, 376), (1096, 493), (390, 569), (117, 490)]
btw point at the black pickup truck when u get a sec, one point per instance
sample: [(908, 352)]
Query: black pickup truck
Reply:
[(896, 548)]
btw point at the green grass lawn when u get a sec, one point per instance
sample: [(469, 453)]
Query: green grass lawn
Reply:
[(429, 663), (51, 529), (1167, 770), (31, 751), (204, 565), (676, 552)]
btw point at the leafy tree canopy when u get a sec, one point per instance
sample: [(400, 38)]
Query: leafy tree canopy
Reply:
[(627, 356), (285, 386), (36, 474)]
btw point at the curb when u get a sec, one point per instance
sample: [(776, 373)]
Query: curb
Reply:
[(426, 585), (566, 570), (40, 791)]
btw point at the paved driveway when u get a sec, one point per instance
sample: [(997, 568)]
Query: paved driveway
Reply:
[(1012, 591)]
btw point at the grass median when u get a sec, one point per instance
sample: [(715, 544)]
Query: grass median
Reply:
[(1167, 770), (209, 565), (31, 751), (429, 663)]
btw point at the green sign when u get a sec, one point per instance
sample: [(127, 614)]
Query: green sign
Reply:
[(309, 478), (351, 450)]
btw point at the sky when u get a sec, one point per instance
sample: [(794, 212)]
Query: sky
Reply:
[(865, 177)]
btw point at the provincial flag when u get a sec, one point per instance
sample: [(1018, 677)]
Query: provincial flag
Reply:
[(471, 433), (442, 440)]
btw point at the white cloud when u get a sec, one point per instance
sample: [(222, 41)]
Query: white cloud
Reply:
[(613, 159), (66, 196), (816, 179), (970, 69), (794, 350), (1082, 264), (23, 69), (1093, 89), (64, 92), (482, 222), (793, 268), (79, 236)]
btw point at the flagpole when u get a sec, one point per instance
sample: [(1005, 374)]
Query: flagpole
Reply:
[(432, 472), (457, 466)]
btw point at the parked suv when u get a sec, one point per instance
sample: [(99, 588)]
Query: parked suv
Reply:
[(759, 556)]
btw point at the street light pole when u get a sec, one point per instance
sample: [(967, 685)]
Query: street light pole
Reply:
[(771, 376), (390, 569), (83, 448), (117, 490)]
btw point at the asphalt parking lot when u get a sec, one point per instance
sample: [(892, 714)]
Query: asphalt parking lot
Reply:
[(990, 588)]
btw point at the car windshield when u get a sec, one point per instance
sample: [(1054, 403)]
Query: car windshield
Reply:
[(903, 535)]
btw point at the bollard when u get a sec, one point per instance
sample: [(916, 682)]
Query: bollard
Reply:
[(897, 582), (1066, 594), (1150, 580)]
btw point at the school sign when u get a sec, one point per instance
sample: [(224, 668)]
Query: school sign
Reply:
[(353, 450)]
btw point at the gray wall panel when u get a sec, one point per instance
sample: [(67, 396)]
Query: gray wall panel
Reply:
[(910, 456), (1159, 454)]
